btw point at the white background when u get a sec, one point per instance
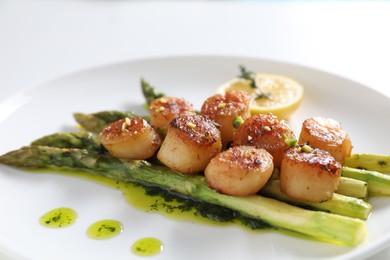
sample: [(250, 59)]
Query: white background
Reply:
[(41, 40)]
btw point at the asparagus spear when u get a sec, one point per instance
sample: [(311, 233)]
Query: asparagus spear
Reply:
[(371, 162), (378, 183), (149, 92), (320, 225), (352, 188), (95, 122), (338, 204), (81, 140)]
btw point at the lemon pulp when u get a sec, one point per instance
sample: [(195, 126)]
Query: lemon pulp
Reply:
[(272, 93)]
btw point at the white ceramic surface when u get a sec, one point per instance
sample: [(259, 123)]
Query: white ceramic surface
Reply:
[(48, 107)]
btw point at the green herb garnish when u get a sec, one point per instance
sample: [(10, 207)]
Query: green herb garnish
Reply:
[(251, 77)]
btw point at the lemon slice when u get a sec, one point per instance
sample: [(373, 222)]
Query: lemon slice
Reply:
[(272, 93)]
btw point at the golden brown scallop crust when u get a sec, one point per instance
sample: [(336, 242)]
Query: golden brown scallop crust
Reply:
[(309, 174), (326, 134), (224, 109), (195, 129), (190, 143), (121, 129), (167, 108), (233, 103), (325, 129), (239, 171), (317, 158), (245, 157), (267, 132), (130, 138)]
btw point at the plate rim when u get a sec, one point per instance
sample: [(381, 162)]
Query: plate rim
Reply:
[(375, 247)]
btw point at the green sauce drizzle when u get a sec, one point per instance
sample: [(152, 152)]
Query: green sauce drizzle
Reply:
[(58, 218), (173, 205), (104, 229), (148, 246)]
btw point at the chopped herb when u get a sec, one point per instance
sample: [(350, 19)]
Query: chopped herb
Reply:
[(291, 142), (222, 105), (237, 122), (111, 229), (382, 163), (57, 217), (306, 149), (263, 95)]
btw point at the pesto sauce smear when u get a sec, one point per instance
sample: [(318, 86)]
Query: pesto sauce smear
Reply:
[(136, 196), (58, 218), (149, 199), (104, 229), (174, 206), (139, 198), (177, 207)]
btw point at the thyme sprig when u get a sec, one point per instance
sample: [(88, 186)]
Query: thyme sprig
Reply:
[(250, 76)]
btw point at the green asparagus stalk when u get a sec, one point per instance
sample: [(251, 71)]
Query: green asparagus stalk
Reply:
[(338, 204), (348, 186), (352, 188), (317, 224), (370, 162), (149, 92), (80, 140), (378, 183), (96, 122)]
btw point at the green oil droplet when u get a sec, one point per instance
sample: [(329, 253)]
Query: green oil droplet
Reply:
[(147, 246), (58, 218), (104, 229)]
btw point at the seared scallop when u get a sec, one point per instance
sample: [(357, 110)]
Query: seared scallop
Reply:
[(326, 134), (130, 138), (309, 174), (239, 171), (190, 143), (267, 132), (164, 109), (224, 109)]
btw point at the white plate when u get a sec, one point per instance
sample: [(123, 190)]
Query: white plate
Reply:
[(48, 108)]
